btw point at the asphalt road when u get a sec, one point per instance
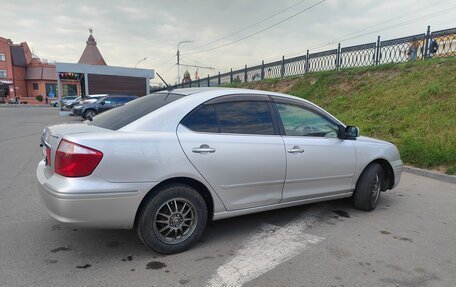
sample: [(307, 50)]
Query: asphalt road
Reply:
[(410, 240)]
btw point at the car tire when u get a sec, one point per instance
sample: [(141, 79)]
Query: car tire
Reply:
[(166, 229), (368, 187), (89, 114)]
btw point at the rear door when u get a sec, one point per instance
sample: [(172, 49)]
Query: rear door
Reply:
[(235, 145)]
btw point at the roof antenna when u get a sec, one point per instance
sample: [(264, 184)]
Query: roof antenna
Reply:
[(167, 86)]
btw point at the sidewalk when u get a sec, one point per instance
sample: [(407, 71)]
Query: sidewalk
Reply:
[(430, 173), (24, 106)]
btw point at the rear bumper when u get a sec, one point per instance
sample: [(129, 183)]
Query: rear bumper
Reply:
[(90, 201), (397, 169)]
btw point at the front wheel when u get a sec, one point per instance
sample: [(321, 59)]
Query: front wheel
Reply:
[(89, 114), (369, 187), (173, 220)]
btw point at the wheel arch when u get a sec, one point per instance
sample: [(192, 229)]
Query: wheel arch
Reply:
[(388, 173), (197, 185)]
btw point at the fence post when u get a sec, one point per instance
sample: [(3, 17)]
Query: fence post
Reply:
[(282, 68), (338, 57), (245, 74), (231, 76), (377, 51), (427, 43), (262, 70), (306, 68), (198, 82), (219, 79)]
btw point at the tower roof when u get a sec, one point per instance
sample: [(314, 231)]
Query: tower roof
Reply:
[(91, 54)]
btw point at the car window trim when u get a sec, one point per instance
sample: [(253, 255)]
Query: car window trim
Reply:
[(277, 118), (238, 98)]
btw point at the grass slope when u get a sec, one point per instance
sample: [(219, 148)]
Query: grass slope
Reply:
[(412, 105)]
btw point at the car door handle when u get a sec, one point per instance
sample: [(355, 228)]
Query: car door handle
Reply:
[(203, 149), (295, 149)]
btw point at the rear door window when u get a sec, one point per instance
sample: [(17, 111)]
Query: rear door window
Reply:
[(239, 117)]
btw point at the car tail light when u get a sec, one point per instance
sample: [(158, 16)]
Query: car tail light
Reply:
[(73, 160)]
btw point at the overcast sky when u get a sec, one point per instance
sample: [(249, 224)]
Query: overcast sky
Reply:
[(127, 31)]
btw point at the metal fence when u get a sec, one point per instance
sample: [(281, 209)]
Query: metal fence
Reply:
[(410, 48)]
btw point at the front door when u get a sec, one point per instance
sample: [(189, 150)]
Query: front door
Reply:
[(318, 162), (108, 103)]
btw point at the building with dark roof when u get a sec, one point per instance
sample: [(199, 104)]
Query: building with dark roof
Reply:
[(91, 54), (96, 77)]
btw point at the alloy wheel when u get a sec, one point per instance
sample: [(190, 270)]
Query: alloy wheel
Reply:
[(376, 188), (175, 221)]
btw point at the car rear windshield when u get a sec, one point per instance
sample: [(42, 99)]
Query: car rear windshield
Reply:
[(119, 117)]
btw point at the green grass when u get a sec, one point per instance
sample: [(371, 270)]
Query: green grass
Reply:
[(412, 105)]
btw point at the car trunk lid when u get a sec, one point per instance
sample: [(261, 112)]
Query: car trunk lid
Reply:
[(52, 135)]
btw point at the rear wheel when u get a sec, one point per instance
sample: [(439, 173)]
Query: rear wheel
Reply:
[(172, 220), (369, 187), (89, 114)]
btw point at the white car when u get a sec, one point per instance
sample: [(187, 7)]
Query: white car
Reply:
[(69, 104), (166, 163), (92, 98)]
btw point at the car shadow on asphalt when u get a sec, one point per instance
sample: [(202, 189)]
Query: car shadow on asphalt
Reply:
[(124, 244)]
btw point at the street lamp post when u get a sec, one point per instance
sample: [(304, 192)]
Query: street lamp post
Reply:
[(178, 63), (143, 59)]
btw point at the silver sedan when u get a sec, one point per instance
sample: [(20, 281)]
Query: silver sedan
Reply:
[(169, 162)]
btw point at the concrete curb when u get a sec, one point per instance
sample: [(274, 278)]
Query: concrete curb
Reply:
[(430, 173)]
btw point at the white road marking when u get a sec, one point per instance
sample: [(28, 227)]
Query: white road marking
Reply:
[(267, 248)]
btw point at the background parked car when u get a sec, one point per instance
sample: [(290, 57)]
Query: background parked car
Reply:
[(69, 104), (87, 99), (55, 103), (92, 98), (89, 110)]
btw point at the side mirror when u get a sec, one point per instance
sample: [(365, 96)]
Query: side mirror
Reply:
[(349, 132), (352, 131)]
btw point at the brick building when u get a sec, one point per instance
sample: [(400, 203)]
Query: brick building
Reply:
[(23, 75), (13, 63), (26, 77), (41, 80)]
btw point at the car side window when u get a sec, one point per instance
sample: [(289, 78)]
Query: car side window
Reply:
[(245, 117), (300, 121), (203, 119), (124, 100), (240, 117), (117, 100)]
